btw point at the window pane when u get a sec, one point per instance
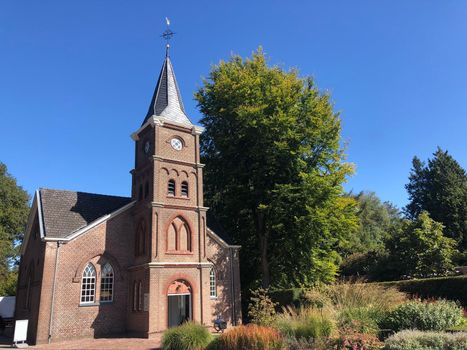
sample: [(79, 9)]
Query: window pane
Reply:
[(107, 281)]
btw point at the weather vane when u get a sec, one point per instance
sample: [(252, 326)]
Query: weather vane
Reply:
[(167, 35)]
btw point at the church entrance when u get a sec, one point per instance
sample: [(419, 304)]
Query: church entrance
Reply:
[(179, 303)]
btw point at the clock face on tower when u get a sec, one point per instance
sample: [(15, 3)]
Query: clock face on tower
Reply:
[(176, 144)]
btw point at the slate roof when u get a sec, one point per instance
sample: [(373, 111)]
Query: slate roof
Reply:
[(166, 102), (64, 212)]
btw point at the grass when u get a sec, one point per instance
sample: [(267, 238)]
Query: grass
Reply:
[(188, 336)]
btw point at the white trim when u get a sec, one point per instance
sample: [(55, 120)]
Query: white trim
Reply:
[(165, 263), (176, 295), (91, 225), (39, 211), (219, 240), (160, 120)]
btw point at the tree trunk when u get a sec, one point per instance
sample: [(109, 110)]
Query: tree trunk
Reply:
[(263, 236)]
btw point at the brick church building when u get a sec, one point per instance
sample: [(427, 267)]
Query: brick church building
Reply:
[(94, 265)]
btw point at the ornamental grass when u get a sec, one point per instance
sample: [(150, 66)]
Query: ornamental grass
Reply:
[(249, 337)]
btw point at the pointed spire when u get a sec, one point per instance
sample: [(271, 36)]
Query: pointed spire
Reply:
[(167, 101)]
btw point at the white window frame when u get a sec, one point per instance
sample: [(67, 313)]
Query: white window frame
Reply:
[(88, 278), (212, 284)]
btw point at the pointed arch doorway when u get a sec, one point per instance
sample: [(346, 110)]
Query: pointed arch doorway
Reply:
[(179, 297)]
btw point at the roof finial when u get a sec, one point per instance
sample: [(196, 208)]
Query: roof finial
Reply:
[(167, 35)]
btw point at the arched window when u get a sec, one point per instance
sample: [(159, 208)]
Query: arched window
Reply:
[(29, 286), (171, 187), (107, 283), (179, 236), (135, 296), (140, 239), (88, 284), (184, 189), (140, 192), (140, 296), (212, 283)]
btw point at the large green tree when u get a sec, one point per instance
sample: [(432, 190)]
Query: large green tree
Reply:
[(440, 188), (274, 171), (377, 219), (13, 216), (419, 248)]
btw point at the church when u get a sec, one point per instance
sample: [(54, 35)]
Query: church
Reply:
[(95, 265)]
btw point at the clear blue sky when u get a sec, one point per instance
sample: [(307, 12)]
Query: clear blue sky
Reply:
[(76, 78)]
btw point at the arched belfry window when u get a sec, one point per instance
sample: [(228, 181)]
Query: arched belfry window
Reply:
[(184, 189), (212, 283), (107, 283), (140, 192), (171, 187), (179, 236), (88, 284), (140, 239)]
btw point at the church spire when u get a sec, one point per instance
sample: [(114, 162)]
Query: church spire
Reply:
[(166, 102)]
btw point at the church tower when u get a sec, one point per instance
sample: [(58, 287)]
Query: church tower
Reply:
[(96, 265), (171, 273)]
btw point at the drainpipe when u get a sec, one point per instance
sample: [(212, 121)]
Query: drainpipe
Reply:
[(53, 292), (232, 282)]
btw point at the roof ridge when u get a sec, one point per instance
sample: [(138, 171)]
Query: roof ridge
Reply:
[(92, 193)]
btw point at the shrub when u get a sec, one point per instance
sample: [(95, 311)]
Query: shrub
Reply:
[(451, 288), (435, 316), (361, 307), (188, 336), (305, 323), (417, 340), (359, 294), (261, 310), (308, 344), (350, 340), (250, 337)]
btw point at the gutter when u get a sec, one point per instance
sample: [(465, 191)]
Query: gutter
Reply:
[(232, 294)]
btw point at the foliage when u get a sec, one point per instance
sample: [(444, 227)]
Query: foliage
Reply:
[(305, 322), (419, 249), (13, 216), (440, 188), (434, 316), (308, 344), (374, 265), (351, 340), (8, 285), (274, 171), (250, 337), (377, 220), (361, 307), (416, 340), (452, 288), (188, 336), (261, 309), (356, 306)]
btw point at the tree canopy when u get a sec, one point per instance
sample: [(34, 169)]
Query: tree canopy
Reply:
[(377, 219), (14, 210), (440, 188), (274, 171), (419, 248)]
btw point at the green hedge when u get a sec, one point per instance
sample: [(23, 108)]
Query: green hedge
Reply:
[(450, 288)]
